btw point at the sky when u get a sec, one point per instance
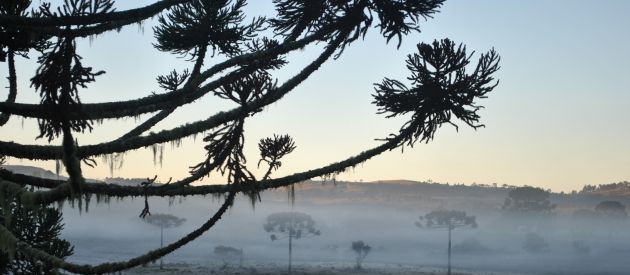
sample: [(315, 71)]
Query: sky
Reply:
[(558, 119)]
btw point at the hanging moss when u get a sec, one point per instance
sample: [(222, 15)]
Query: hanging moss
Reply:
[(60, 204), (140, 27), (58, 166), (176, 143), (158, 153), (161, 158), (113, 161)]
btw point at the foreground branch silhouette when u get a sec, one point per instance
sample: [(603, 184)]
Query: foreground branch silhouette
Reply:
[(444, 85)]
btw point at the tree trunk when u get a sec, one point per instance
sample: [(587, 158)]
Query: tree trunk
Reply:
[(290, 247), (161, 241), (240, 262), (449, 250), (291, 242)]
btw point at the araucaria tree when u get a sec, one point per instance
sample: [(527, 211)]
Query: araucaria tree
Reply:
[(449, 220), (361, 250), (444, 85), (292, 226), (163, 221), (40, 227)]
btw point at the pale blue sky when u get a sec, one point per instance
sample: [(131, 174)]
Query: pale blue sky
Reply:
[(558, 119)]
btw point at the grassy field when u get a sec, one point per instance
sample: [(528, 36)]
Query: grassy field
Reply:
[(301, 269)]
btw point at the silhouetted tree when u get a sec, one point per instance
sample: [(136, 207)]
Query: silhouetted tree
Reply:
[(449, 220), (292, 226), (611, 209), (362, 250), (444, 85), (528, 199), (163, 221), (40, 228)]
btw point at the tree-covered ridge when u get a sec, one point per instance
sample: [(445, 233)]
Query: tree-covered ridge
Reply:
[(444, 84), (621, 188)]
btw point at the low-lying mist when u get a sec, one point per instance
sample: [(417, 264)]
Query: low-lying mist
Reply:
[(560, 241)]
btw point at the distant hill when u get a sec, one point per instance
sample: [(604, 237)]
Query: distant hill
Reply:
[(47, 174), (127, 181), (401, 194), (33, 171), (395, 193)]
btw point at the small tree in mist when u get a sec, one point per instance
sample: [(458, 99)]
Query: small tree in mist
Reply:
[(163, 221), (292, 226), (528, 200), (535, 243), (228, 254), (580, 247), (361, 250), (449, 220)]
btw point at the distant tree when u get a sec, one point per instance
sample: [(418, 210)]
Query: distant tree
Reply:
[(163, 221), (39, 228), (588, 189), (611, 209), (361, 250), (535, 243), (292, 226), (449, 220), (228, 253), (528, 199)]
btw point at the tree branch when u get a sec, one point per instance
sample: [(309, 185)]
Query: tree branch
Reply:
[(152, 255), (159, 102), (47, 152), (131, 15), (4, 117), (56, 194)]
